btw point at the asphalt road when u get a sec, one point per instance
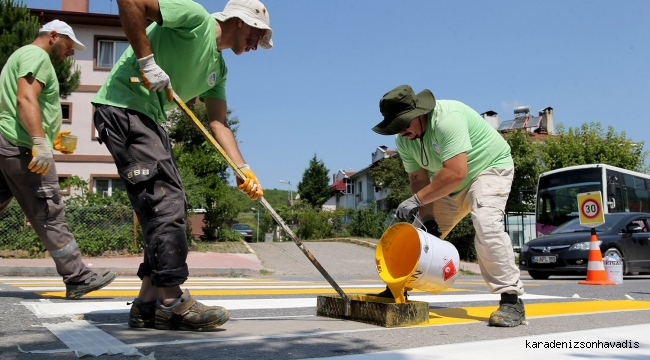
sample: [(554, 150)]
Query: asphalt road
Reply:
[(273, 317)]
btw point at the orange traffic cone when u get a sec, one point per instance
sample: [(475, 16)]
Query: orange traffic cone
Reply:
[(596, 274)]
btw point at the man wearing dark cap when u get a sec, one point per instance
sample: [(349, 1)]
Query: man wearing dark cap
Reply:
[(457, 164)]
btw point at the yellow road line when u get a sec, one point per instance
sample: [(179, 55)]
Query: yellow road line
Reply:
[(482, 313), (106, 292)]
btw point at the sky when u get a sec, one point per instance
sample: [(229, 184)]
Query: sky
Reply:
[(317, 91)]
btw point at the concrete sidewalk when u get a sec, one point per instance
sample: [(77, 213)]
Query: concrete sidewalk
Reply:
[(286, 256), (200, 264)]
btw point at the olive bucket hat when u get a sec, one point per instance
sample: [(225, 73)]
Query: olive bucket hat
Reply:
[(401, 105)]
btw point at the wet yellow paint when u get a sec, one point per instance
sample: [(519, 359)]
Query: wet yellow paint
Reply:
[(482, 313), (397, 256)]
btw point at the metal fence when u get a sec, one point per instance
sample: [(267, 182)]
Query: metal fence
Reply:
[(520, 227), (97, 230)]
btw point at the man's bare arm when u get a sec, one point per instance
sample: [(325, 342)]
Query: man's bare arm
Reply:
[(452, 174), (29, 110), (216, 110), (133, 16)]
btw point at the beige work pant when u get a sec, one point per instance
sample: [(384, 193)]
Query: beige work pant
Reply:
[(485, 197)]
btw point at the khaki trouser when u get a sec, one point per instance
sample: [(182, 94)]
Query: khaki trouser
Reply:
[(485, 197), (39, 196)]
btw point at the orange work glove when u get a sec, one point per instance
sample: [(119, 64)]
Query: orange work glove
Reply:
[(57, 142), (249, 186)]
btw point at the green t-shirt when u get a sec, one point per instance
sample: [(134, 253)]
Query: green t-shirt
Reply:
[(185, 47), (455, 128), (29, 59)]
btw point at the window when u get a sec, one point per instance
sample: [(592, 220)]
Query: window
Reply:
[(109, 51), (106, 187), (349, 186), (64, 190), (66, 112)]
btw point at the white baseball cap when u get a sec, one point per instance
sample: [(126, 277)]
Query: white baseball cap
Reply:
[(62, 28), (253, 13)]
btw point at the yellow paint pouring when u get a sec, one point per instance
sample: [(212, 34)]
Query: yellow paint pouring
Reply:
[(396, 257)]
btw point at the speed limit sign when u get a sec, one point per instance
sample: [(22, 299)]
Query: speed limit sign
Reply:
[(591, 209)]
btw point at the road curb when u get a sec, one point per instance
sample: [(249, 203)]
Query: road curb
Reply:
[(352, 241), (35, 271)]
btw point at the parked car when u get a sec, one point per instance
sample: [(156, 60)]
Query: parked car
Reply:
[(565, 251), (245, 230)]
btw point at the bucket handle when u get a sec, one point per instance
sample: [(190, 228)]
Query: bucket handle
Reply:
[(416, 219)]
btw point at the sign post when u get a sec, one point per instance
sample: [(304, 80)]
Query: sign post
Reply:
[(591, 209)]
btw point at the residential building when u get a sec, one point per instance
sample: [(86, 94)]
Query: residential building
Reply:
[(357, 189)]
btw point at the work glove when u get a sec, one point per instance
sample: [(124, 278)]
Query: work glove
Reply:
[(404, 209), (250, 186), (430, 225), (154, 77), (43, 158), (57, 142)]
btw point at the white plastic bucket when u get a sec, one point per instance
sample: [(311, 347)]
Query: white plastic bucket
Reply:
[(614, 271), (412, 257)]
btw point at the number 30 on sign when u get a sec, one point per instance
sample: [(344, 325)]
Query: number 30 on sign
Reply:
[(591, 209)]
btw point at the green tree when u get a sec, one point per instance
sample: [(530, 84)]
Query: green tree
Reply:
[(204, 172), (525, 154), (390, 174), (314, 187), (368, 222), (19, 28), (591, 144)]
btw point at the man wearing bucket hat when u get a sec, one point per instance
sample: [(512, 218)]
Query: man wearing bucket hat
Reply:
[(30, 123), (182, 47), (472, 172)]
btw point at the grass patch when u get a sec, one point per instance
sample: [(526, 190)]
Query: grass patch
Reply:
[(265, 272), (467, 272), (229, 247)]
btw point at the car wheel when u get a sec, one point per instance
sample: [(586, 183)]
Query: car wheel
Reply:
[(614, 251), (538, 275)]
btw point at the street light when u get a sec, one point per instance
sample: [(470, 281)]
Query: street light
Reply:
[(258, 224), (288, 183)]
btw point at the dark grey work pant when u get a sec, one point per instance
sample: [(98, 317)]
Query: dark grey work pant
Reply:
[(39, 196), (144, 159)]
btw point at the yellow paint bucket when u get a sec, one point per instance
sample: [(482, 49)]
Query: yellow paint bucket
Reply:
[(410, 257)]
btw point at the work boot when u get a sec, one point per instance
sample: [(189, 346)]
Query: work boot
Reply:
[(389, 295), (185, 313), (94, 282), (142, 314), (510, 313)]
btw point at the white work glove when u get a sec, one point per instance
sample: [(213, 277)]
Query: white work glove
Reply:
[(154, 77), (404, 209), (43, 158)]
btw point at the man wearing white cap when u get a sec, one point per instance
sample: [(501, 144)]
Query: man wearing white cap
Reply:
[(30, 120), (181, 48)]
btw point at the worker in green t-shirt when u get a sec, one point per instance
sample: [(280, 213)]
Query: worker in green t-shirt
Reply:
[(181, 52), (457, 164), (30, 122)]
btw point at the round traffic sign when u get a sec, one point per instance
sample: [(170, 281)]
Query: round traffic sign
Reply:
[(590, 208)]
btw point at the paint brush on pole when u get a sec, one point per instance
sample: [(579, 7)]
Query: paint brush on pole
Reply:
[(171, 95)]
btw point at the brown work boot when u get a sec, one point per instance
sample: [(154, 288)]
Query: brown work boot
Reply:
[(189, 314), (142, 314), (510, 313), (94, 282)]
